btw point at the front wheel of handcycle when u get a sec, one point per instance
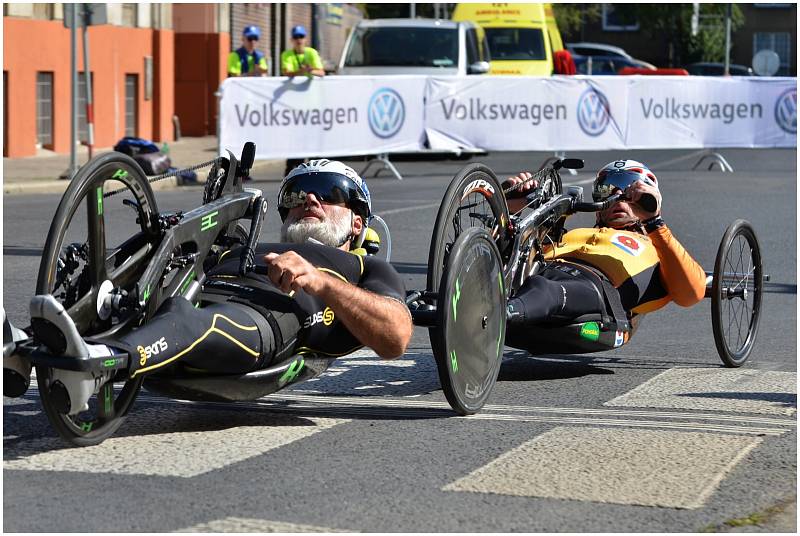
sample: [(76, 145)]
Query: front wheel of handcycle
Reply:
[(473, 199), (736, 292), (87, 253), (469, 336)]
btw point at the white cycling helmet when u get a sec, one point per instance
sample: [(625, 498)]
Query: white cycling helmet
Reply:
[(620, 174), (331, 181)]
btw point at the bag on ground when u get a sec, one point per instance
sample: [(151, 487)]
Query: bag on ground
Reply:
[(153, 163)]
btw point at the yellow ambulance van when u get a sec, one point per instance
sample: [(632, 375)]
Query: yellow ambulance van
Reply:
[(521, 37)]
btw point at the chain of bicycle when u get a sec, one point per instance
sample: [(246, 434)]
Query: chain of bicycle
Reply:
[(169, 174)]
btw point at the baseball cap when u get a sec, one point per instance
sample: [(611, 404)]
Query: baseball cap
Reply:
[(299, 31), (252, 31)]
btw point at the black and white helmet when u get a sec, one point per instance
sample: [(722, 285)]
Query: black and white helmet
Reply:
[(329, 180)]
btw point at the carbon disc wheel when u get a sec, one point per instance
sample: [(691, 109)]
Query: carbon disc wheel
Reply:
[(736, 293), (470, 333), (87, 252)]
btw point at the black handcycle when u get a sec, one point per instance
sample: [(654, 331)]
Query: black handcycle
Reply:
[(474, 216), (109, 289)]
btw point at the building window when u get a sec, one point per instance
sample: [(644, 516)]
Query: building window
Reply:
[(44, 109), (131, 103), (617, 18), (44, 11), (83, 129), (778, 42), (129, 15)]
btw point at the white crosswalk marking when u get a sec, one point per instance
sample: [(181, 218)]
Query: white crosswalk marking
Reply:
[(737, 390), (240, 524), (166, 441), (639, 467)]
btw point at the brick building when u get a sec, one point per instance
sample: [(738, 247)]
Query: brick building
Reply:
[(149, 64)]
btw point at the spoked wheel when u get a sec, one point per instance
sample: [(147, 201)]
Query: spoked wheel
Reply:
[(468, 339), (86, 255), (473, 199), (736, 293)]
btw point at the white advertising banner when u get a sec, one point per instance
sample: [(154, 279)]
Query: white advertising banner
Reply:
[(715, 112), (338, 115), (610, 112), (356, 115), (525, 113)]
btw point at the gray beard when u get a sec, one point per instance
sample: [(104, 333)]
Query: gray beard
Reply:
[(331, 232)]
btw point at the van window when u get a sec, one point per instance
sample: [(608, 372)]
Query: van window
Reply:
[(404, 46), (516, 43), (472, 46)]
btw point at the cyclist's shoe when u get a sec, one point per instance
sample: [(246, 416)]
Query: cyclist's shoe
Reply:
[(52, 326), (16, 369)]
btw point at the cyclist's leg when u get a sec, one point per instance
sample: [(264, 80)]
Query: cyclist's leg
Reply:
[(227, 338), (553, 294)]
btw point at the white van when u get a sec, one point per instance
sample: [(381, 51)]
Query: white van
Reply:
[(415, 46)]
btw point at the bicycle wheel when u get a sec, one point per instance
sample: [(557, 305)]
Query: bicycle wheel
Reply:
[(80, 274), (473, 199), (471, 320), (736, 293)]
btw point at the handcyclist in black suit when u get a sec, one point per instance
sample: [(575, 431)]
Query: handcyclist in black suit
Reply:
[(317, 297)]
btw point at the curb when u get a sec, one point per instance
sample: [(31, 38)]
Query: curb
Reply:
[(49, 186)]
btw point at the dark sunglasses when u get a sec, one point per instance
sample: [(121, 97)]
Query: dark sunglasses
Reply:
[(328, 187), (617, 179), (252, 38)]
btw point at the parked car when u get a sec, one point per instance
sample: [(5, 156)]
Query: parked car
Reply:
[(415, 46), (717, 69), (602, 50), (603, 65), (522, 37)]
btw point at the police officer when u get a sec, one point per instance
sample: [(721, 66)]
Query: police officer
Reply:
[(246, 60)]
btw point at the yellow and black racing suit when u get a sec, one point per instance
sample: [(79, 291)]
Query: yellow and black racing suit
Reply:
[(647, 271), (246, 323)]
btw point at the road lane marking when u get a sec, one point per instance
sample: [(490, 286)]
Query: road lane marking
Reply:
[(733, 390), (408, 209), (306, 405), (636, 467), (165, 441), (243, 524)]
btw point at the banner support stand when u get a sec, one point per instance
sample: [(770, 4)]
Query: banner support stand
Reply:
[(715, 158), (383, 159), (558, 155)]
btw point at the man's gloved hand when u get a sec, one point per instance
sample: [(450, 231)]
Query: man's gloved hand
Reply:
[(516, 199), (635, 191)]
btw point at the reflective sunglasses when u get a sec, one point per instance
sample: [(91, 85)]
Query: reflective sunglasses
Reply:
[(328, 187), (617, 179)]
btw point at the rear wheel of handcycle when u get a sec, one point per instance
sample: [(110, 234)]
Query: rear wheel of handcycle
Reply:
[(736, 293), (471, 325), (87, 253)]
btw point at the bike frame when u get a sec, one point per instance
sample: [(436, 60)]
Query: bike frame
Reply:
[(195, 232)]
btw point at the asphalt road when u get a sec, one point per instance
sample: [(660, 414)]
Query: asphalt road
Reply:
[(653, 437)]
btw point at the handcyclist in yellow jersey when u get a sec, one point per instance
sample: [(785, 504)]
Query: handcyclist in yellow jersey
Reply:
[(631, 248), (315, 297)]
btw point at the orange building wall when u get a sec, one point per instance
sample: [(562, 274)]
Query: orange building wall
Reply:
[(114, 52)]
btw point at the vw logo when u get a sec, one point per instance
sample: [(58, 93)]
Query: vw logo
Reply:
[(786, 111), (386, 113), (593, 112)]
